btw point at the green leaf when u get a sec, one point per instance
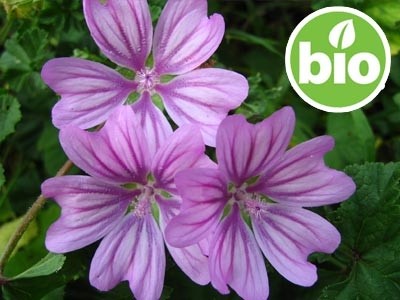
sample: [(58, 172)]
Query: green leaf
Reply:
[(49, 146), (370, 230), (354, 139), (386, 13), (15, 57), (46, 286), (7, 229), (10, 114), (50, 264)]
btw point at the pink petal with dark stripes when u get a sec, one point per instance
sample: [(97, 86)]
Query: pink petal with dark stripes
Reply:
[(155, 125), (302, 179), (133, 251), (89, 210), (245, 150), (122, 29), (204, 193), (190, 259), (203, 97), (185, 37), (288, 235), (236, 260), (184, 149), (118, 153), (89, 91)]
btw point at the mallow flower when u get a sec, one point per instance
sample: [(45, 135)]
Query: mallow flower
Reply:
[(253, 205), (184, 38), (130, 184)]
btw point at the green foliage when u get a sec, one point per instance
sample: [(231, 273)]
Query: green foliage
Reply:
[(10, 114), (370, 230), (355, 141), (49, 264)]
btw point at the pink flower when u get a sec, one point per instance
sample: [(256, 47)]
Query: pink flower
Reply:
[(258, 182), (184, 38), (129, 177)]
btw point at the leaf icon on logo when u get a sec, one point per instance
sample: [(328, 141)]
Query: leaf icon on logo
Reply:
[(342, 35)]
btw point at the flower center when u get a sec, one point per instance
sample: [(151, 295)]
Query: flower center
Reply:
[(141, 205), (240, 195), (147, 79), (250, 203), (253, 207)]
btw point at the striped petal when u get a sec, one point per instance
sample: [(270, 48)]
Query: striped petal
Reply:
[(203, 97), (89, 91), (302, 179), (133, 251), (184, 150), (155, 125), (191, 259), (204, 194), (236, 260), (288, 235), (245, 151), (89, 210), (185, 37), (122, 29), (118, 153)]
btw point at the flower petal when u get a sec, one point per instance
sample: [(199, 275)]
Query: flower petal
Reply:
[(288, 235), (245, 151), (90, 209), (122, 29), (204, 97), (204, 193), (185, 37), (236, 260), (89, 91), (190, 259), (302, 179), (118, 153), (133, 251), (155, 125), (184, 150)]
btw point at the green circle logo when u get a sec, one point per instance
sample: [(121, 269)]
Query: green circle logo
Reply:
[(338, 59)]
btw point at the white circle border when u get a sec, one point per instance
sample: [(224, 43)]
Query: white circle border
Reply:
[(303, 23)]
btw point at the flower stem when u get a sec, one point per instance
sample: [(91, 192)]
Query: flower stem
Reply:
[(26, 220)]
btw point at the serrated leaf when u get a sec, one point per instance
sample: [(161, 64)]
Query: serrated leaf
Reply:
[(342, 35), (10, 114), (39, 287), (49, 264), (370, 231)]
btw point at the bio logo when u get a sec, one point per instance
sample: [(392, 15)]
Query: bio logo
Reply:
[(338, 59)]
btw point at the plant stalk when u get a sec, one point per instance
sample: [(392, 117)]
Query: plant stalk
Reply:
[(27, 219)]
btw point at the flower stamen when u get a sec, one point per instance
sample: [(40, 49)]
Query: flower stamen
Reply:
[(147, 79)]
